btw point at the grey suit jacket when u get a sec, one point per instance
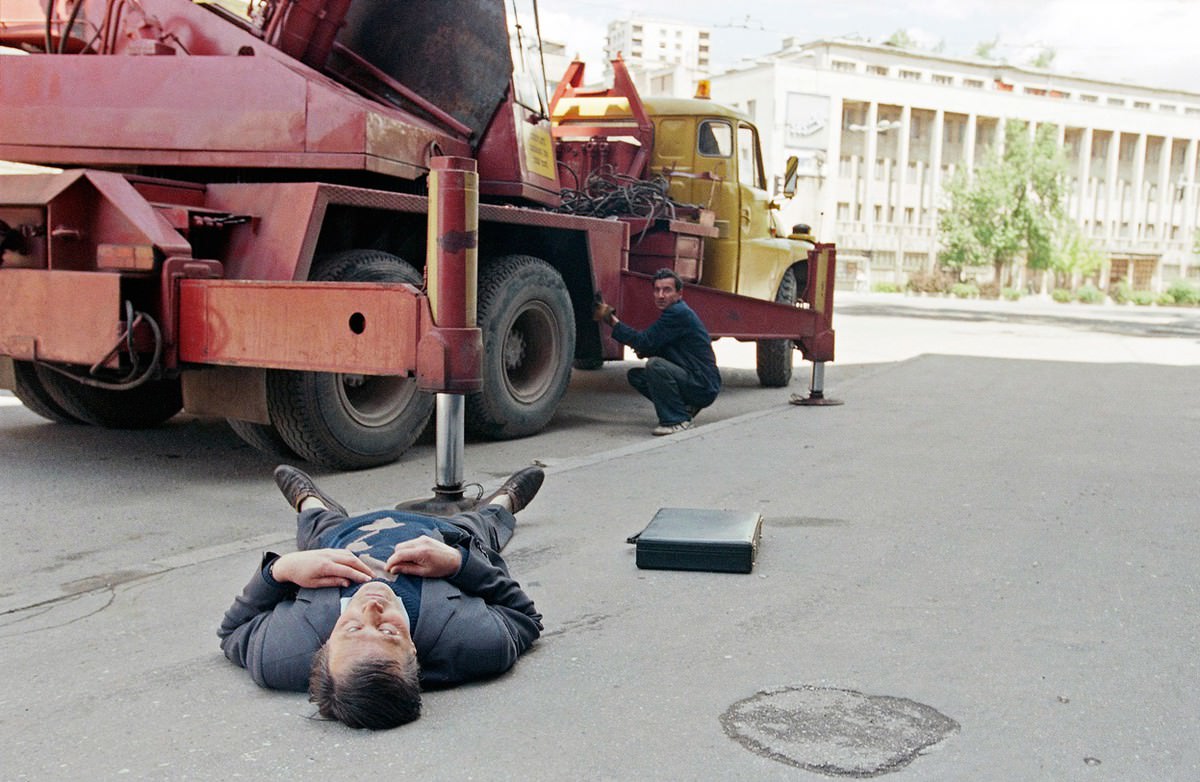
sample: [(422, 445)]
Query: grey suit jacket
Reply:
[(471, 625)]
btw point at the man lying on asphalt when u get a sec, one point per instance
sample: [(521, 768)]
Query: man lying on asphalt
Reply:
[(373, 607)]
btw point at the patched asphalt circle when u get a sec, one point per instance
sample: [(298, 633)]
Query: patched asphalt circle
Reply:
[(835, 732)]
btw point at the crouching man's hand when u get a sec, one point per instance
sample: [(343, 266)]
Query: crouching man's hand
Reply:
[(603, 311), (321, 567), (426, 557)]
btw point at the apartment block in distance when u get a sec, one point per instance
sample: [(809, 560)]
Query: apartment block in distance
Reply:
[(664, 58), (879, 130)]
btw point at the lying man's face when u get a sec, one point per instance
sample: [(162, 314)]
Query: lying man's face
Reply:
[(374, 625)]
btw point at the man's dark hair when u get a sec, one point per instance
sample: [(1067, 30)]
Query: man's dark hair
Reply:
[(667, 274), (374, 694)]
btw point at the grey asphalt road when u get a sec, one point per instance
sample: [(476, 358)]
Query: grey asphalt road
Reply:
[(981, 567)]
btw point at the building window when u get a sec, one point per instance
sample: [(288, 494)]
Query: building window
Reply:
[(1116, 101), (843, 211), (913, 261), (941, 78), (884, 259), (843, 65), (1192, 111), (975, 84), (1141, 104), (1035, 91), (910, 75), (751, 108), (877, 70), (1088, 99), (1167, 107)]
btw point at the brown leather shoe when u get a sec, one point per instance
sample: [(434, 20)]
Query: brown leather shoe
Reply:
[(297, 486), (521, 487)]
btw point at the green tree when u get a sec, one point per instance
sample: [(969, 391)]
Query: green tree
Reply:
[(1010, 206), (1044, 58), (986, 50), (901, 40), (1075, 253)]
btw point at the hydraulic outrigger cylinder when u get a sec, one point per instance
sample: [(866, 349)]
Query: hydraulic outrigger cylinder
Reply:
[(449, 356)]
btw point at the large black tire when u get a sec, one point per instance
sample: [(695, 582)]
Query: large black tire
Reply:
[(142, 407), (34, 396), (528, 345), (265, 438), (342, 421), (774, 360)]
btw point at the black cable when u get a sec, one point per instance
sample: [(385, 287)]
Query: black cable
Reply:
[(132, 379)]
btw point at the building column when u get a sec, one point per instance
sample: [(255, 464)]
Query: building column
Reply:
[(1137, 197), (1111, 218), (969, 145), (1190, 186), (829, 175), (1084, 174), (1162, 221), (869, 174), (935, 176), (902, 158)]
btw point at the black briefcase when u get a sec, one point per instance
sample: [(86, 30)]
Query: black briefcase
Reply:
[(724, 541)]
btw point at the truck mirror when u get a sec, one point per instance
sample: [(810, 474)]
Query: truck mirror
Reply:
[(789, 176)]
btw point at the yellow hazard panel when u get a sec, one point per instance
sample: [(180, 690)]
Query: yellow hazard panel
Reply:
[(539, 151), (591, 107)]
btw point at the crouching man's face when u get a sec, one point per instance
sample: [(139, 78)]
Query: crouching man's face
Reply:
[(366, 674)]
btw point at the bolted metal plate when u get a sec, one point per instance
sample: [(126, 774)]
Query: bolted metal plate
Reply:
[(835, 732)]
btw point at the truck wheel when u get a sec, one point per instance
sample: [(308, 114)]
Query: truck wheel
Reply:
[(528, 344), (774, 364), (264, 438), (34, 396), (347, 421), (138, 408)]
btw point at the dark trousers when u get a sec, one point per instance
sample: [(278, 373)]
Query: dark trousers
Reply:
[(491, 526), (670, 388)]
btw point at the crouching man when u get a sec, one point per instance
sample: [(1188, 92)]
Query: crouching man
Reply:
[(372, 608)]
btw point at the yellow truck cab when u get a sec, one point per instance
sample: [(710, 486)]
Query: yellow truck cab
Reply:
[(712, 157)]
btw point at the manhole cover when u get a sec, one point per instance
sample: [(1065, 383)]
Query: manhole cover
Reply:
[(835, 732)]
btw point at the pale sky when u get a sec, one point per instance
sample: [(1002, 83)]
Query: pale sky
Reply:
[(1151, 42)]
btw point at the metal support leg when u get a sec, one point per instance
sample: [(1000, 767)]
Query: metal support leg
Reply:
[(447, 498), (816, 389), (450, 446)]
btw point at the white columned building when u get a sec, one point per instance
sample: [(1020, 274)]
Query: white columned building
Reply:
[(879, 130)]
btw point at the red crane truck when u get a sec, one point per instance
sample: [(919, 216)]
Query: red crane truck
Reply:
[(229, 215)]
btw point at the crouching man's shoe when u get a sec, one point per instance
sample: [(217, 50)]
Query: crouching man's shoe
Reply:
[(520, 489), (297, 486), (663, 429)]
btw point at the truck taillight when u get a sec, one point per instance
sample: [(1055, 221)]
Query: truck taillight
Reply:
[(135, 257)]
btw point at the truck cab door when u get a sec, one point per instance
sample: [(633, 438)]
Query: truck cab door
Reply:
[(754, 216), (716, 188)]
